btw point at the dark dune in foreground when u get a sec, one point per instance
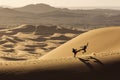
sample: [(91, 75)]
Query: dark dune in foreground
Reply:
[(85, 71)]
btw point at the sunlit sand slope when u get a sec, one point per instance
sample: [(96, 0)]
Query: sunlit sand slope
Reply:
[(99, 41)]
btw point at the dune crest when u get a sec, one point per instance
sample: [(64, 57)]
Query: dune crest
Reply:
[(100, 40)]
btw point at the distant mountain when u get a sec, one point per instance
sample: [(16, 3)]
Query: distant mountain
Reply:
[(7, 10), (10, 13), (37, 8), (45, 14)]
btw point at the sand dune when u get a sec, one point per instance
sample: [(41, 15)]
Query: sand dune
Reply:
[(100, 62), (33, 41), (100, 40)]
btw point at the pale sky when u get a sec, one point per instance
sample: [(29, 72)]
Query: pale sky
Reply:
[(63, 3)]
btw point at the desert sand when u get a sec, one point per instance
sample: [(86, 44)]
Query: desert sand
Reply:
[(31, 42), (99, 41), (100, 62)]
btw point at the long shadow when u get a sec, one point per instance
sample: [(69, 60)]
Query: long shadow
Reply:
[(13, 41), (2, 42), (94, 73), (96, 60), (9, 50), (29, 49), (60, 38), (13, 59), (38, 45), (17, 39), (9, 45), (86, 62)]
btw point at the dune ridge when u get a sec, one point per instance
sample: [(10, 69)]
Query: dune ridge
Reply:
[(100, 40)]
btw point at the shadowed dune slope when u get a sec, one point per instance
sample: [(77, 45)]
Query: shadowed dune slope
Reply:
[(100, 40)]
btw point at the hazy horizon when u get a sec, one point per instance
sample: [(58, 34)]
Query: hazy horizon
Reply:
[(73, 4), (70, 7)]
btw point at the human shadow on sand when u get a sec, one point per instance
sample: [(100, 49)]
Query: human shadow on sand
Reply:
[(87, 62), (96, 60)]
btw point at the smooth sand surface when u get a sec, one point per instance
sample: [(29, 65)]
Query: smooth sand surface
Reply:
[(99, 41)]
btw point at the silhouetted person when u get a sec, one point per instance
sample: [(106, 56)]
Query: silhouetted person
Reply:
[(74, 51), (84, 48)]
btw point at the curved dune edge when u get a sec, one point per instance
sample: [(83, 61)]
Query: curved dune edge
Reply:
[(100, 41)]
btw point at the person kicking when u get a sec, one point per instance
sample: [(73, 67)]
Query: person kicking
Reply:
[(83, 48), (74, 51)]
